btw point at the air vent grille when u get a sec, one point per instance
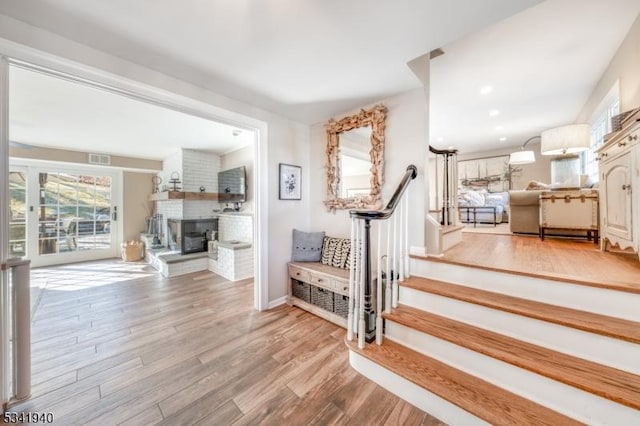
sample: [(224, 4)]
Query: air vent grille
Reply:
[(101, 159)]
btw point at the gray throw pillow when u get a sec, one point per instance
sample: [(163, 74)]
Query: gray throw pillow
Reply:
[(307, 246)]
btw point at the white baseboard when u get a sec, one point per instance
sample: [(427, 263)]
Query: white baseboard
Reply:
[(277, 302)]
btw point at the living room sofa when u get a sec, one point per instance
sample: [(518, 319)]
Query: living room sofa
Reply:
[(525, 211)]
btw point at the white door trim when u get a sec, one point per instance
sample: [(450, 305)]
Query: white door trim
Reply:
[(5, 376), (40, 61)]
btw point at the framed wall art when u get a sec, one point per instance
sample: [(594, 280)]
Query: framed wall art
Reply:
[(290, 177)]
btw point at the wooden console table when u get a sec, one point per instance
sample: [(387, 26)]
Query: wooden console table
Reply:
[(474, 210)]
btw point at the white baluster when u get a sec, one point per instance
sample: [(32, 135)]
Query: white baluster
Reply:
[(401, 238), (351, 283), (361, 323), (379, 294), (394, 263), (356, 278), (387, 268), (406, 233)]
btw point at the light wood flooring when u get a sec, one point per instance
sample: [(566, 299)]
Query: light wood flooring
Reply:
[(116, 343), (574, 260)]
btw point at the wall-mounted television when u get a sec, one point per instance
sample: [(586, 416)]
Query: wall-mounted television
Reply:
[(232, 185)]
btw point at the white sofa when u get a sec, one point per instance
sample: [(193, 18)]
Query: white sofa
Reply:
[(482, 198)]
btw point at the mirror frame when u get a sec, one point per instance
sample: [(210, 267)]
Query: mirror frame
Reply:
[(375, 117)]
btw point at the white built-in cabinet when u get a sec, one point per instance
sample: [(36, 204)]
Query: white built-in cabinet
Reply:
[(620, 190)]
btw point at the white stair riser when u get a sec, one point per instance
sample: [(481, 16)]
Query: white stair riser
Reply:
[(586, 298), (423, 399), (594, 347), (570, 401)]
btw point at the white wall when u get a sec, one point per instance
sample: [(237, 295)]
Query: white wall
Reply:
[(405, 144), (286, 141), (624, 66), (285, 215)]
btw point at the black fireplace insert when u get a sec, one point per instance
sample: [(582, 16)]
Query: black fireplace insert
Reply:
[(191, 235)]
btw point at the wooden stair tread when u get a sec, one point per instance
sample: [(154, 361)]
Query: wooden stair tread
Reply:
[(594, 323), (480, 398), (613, 384)]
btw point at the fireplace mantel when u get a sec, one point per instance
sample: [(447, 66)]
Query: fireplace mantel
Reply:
[(179, 195)]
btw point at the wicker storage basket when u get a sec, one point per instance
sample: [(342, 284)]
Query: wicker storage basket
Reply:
[(322, 298), (340, 305), (131, 251), (301, 290)]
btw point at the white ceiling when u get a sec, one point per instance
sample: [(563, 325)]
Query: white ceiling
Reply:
[(52, 112), (308, 60), (313, 60)]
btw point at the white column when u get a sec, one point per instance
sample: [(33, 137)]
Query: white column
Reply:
[(4, 233)]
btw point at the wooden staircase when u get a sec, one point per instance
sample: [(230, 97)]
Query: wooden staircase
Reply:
[(497, 347)]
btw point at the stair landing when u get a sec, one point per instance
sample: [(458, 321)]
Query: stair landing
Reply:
[(569, 260)]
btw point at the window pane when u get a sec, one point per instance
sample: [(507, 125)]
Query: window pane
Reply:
[(17, 214), (74, 208)]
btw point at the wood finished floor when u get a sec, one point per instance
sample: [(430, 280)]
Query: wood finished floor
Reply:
[(575, 259), (116, 343)]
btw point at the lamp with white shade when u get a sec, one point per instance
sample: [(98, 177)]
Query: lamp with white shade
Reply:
[(523, 156), (564, 140)]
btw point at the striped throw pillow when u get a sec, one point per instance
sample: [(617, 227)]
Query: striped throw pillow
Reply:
[(336, 252)]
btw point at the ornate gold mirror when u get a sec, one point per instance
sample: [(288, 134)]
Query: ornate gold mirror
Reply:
[(355, 160)]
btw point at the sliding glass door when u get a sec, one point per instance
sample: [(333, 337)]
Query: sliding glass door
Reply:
[(60, 214), (74, 213)]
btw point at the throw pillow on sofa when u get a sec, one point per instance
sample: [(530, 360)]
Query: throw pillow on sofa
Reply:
[(307, 246)]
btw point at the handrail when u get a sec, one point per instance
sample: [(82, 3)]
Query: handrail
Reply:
[(442, 151), (410, 174)]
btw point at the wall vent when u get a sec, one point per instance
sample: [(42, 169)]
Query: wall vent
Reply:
[(101, 159)]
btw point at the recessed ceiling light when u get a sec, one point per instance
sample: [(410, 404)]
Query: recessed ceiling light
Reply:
[(236, 132), (499, 128), (440, 139), (502, 139), (494, 113), (485, 90)]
